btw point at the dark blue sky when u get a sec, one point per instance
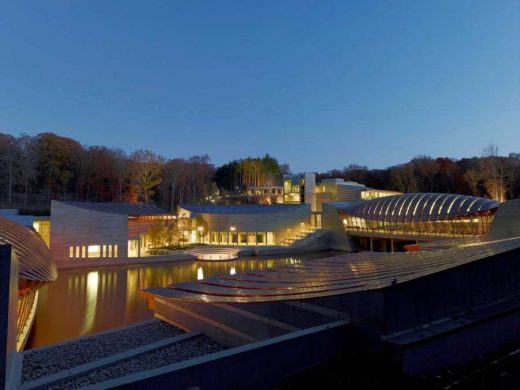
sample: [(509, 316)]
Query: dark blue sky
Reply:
[(317, 84)]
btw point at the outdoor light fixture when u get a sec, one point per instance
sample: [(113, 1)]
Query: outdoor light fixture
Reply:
[(200, 229)]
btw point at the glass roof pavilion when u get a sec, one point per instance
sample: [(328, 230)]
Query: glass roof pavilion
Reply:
[(421, 213)]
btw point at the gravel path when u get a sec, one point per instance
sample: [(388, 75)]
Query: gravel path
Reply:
[(40, 363), (181, 351)]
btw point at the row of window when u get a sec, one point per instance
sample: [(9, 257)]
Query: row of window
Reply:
[(236, 238), (93, 251)]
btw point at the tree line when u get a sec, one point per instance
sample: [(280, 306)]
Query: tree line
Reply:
[(36, 169), (489, 175)]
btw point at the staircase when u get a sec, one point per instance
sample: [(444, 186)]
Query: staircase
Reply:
[(304, 237)]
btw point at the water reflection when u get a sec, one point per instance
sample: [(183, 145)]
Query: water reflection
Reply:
[(91, 302), (87, 301)]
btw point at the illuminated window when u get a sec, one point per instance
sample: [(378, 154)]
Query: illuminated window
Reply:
[(110, 251), (115, 250), (94, 251), (71, 252), (83, 251), (104, 254), (77, 252), (133, 248)]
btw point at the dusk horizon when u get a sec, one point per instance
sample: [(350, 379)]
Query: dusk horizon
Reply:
[(289, 79)]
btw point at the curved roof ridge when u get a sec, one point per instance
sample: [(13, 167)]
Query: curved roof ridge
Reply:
[(420, 207)]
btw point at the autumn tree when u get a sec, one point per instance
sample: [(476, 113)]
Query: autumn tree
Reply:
[(9, 153), (146, 169)]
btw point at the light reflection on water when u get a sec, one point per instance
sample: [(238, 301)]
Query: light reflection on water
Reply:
[(87, 301)]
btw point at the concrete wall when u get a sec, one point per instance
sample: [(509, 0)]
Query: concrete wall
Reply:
[(310, 190), (8, 315), (461, 346), (442, 294), (507, 221), (330, 220), (260, 365), (74, 226)]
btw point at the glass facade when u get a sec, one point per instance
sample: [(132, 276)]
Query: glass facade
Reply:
[(236, 238), (421, 214), (43, 228)]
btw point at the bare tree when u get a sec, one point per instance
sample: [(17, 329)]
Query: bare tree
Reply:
[(9, 154), (173, 172), (28, 159), (427, 168), (472, 178), (494, 170), (403, 178), (146, 168)]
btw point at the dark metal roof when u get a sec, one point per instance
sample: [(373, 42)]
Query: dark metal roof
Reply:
[(242, 208), (420, 207), (132, 209), (341, 274)]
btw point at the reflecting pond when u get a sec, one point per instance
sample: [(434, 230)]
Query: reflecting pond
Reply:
[(92, 300)]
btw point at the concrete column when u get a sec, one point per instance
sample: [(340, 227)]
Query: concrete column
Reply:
[(392, 245), (371, 245)]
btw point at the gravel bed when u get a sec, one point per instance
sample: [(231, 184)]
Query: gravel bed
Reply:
[(51, 360), (189, 349)]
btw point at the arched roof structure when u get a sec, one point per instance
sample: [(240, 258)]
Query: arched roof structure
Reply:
[(420, 207), (33, 256)]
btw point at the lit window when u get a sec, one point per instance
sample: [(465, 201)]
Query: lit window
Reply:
[(94, 251), (83, 251), (110, 251), (71, 252), (104, 254), (115, 250), (77, 252)]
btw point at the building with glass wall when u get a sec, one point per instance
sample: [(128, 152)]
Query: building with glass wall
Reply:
[(391, 222), (249, 224)]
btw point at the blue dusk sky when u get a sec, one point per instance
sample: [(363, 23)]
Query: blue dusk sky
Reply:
[(317, 84)]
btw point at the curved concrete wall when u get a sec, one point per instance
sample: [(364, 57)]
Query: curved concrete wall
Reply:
[(506, 223)]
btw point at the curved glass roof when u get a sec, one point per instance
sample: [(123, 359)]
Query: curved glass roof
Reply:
[(419, 207)]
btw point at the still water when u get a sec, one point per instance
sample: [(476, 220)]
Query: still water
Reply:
[(92, 300)]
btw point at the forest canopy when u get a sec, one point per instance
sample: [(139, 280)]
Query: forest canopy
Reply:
[(36, 169)]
